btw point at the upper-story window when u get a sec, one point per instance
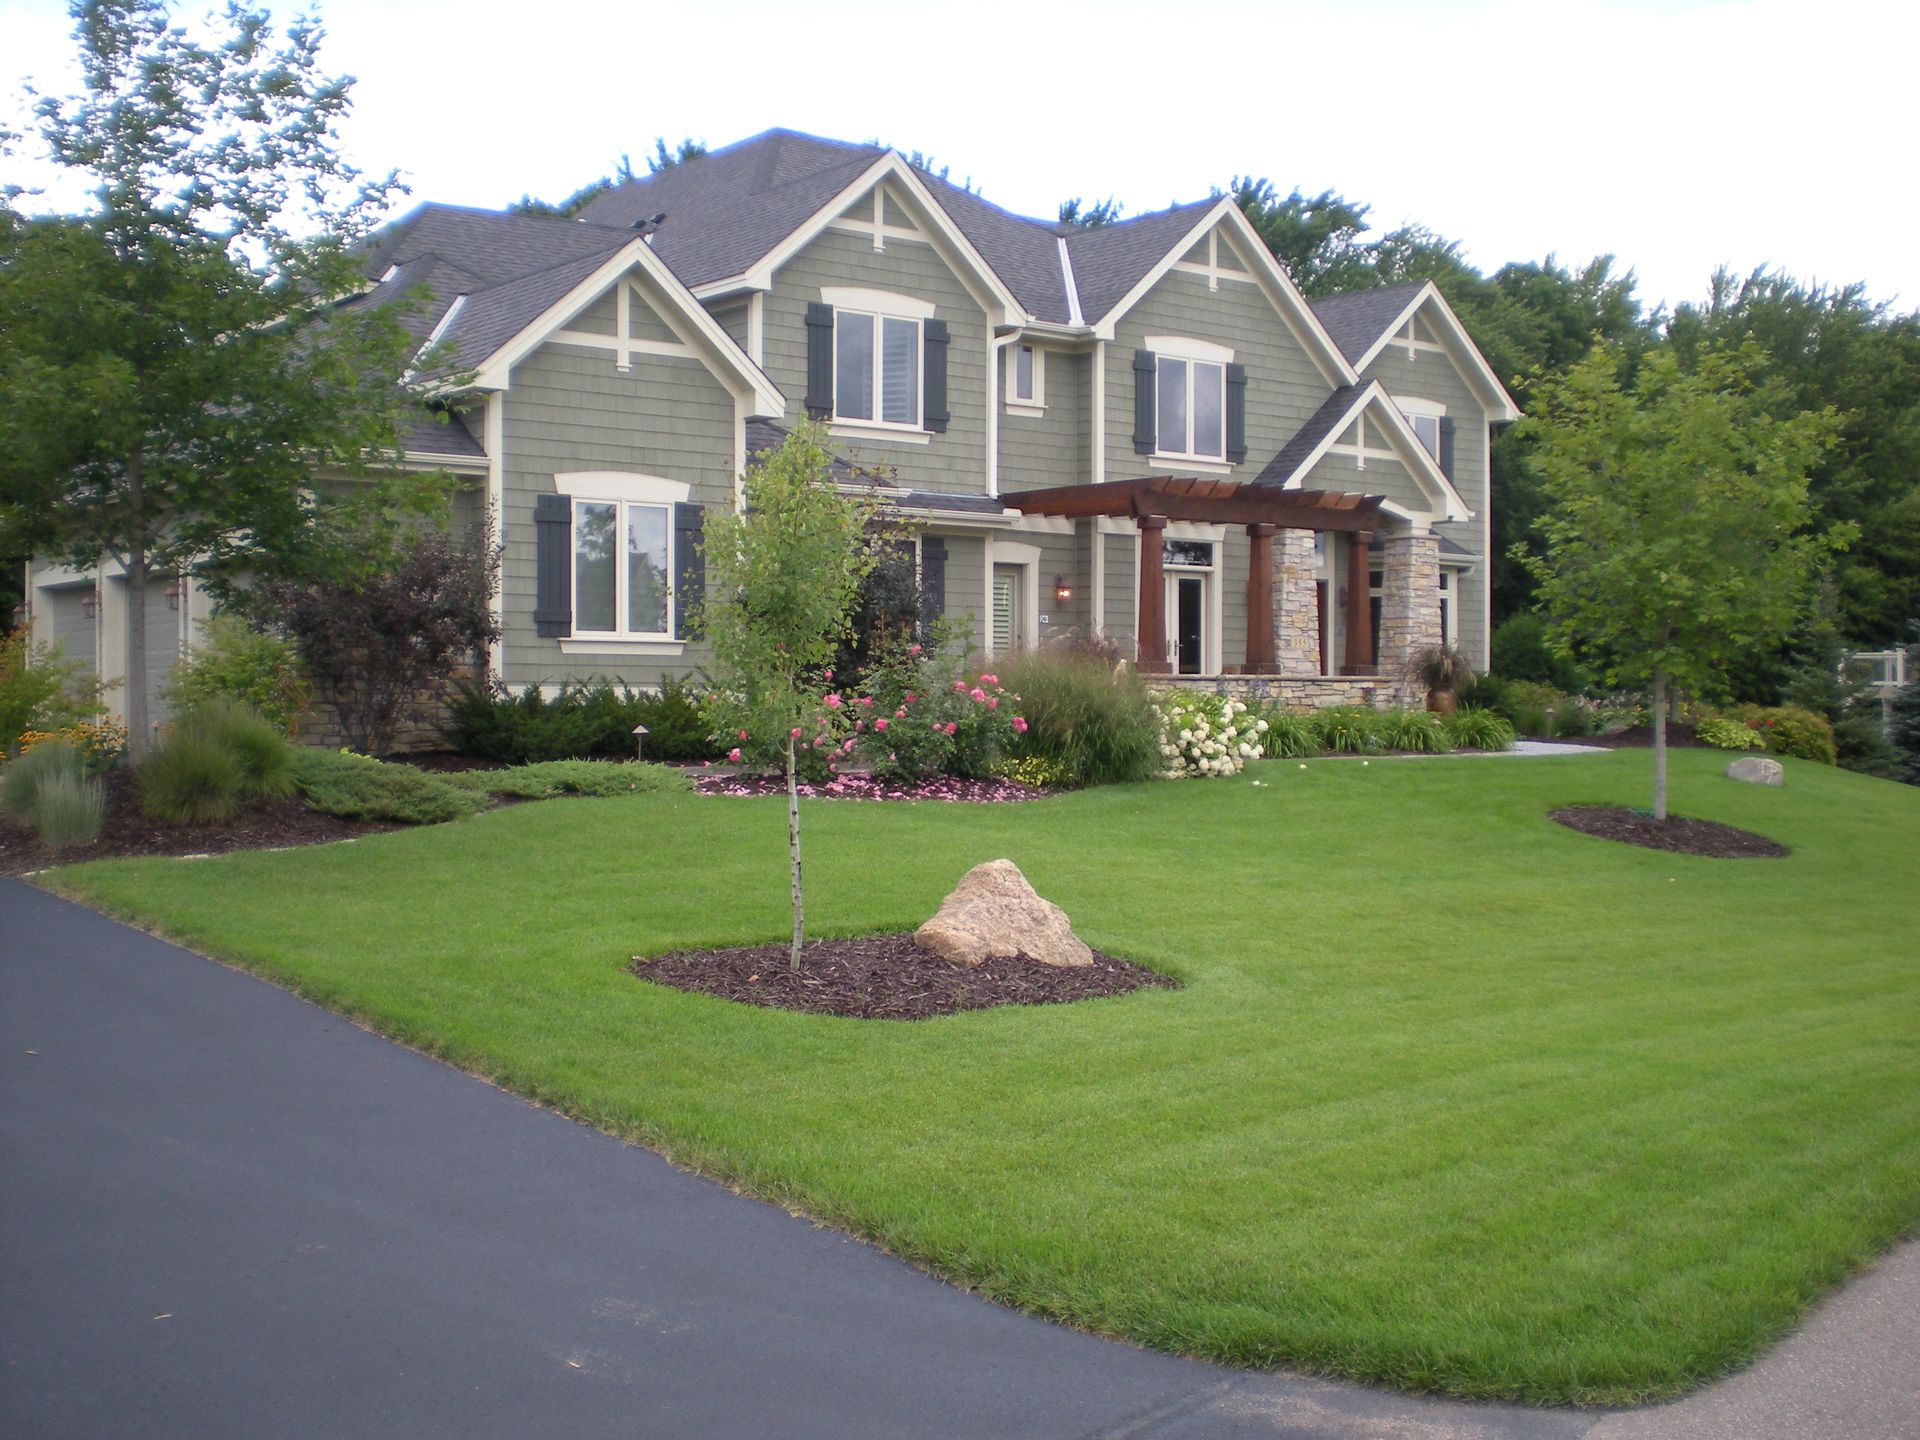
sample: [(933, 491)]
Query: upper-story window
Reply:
[(620, 569), (876, 359), (1425, 417), (1193, 408), (876, 368), (1189, 403), (1026, 379)]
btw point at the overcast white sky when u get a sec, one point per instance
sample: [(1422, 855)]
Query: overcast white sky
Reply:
[(1673, 134)]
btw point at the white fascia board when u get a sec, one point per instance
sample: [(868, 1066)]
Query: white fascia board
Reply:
[(1330, 439), (891, 165), (1501, 406), (1274, 281), (492, 373), (1414, 456), (428, 460)]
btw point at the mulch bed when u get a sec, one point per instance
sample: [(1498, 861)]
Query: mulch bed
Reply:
[(887, 977), (1675, 833), (865, 787), (1680, 736), (261, 824)]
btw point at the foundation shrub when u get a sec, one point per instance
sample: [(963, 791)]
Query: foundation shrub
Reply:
[(191, 778), (259, 745), (337, 782), (1094, 722), (583, 721), (70, 810), (41, 690), (1417, 731), (1347, 730), (1204, 734), (1473, 728), (1723, 733), (1791, 731), (234, 661)]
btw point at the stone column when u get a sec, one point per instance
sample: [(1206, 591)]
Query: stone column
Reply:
[(1150, 605), (1359, 625), (1260, 627), (1409, 606), (1296, 605)]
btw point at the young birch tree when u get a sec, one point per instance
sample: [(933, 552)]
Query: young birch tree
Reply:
[(1678, 529), (783, 577)]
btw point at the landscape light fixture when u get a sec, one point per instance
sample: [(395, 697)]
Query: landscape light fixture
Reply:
[(640, 733)]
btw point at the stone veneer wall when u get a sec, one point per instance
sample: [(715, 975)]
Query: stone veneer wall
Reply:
[(1409, 606), (1290, 692), (1296, 620), (420, 727)]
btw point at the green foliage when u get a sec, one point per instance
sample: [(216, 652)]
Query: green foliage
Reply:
[(335, 782), (70, 810), (1347, 730), (1290, 736), (177, 361), (1827, 682), (1790, 730), (40, 689), (1471, 728), (1903, 729), (929, 712), (190, 778), (1092, 216), (574, 777), (1520, 651), (1035, 770), (236, 661), (1417, 731), (257, 744), (1723, 733), (1093, 721), (581, 721), (22, 778)]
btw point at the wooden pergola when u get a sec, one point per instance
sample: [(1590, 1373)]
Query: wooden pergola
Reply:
[(1263, 509)]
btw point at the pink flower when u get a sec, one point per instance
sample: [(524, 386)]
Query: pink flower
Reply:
[(937, 726), (829, 674), (880, 724), (743, 734), (994, 703), (913, 649), (958, 686), (891, 757), (910, 697), (989, 679), (859, 724), (846, 747), (733, 755), (977, 695), (901, 713), (1019, 725), (867, 700), (951, 727), (794, 733), (834, 702)]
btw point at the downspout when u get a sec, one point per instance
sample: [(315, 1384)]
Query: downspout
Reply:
[(996, 349)]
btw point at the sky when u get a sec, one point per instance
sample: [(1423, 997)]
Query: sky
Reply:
[(1676, 135)]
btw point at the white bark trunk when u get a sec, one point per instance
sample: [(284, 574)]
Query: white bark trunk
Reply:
[(138, 734), (793, 849), (1659, 745)]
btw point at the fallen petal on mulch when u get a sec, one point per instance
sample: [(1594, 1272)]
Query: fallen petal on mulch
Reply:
[(887, 977), (865, 787), (1675, 833)]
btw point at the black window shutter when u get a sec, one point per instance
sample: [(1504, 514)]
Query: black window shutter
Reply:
[(1446, 446), (819, 360), (933, 583), (934, 405), (553, 565), (1236, 413), (690, 566), (1145, 413)]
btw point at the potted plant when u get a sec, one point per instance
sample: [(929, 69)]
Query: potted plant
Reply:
[(1445, 672)]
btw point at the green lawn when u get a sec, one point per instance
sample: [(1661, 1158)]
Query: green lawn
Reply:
[(1454, 1099)]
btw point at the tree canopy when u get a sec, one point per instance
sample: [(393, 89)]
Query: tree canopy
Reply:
[(175, 362)]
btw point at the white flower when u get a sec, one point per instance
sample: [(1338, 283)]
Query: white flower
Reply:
[(1261, 726)]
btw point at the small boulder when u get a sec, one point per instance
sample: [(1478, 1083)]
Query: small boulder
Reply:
[(994, 913), (1757, 771)]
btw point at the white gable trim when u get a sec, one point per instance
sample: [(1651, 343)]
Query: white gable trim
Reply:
[(684, 315), (946, 237), (1272, 280), (1406, 447), (1476, 371)]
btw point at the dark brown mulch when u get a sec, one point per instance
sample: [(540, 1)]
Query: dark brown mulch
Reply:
[(261, 824), (887, 977), (1686, 837), (1680, 736)]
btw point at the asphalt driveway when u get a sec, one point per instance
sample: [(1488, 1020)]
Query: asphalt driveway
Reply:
[(228, 1212)]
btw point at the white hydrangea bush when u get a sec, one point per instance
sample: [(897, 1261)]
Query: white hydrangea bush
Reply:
[(1202, 734)]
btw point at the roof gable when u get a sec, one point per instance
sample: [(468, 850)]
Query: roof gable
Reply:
[(1289, 468), (1365, 322)]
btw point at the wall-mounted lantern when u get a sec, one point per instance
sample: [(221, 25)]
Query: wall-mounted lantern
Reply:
[(90, 602), (1062, 591), (174, 591)]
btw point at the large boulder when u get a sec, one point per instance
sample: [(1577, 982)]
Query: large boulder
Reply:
[(994, 913), (1756, 770)]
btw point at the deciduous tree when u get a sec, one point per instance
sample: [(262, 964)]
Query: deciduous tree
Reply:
[(1679, 529)]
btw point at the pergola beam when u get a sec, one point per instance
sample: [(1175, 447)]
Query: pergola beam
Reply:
[(1215, 502)]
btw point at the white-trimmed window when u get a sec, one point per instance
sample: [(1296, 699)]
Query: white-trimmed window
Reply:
[(1448, 588), (622, 554), (1026, 378), (1425, 417), (1190, 398), (878, 342)]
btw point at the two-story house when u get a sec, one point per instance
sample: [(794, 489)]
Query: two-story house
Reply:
[(1141, 430)]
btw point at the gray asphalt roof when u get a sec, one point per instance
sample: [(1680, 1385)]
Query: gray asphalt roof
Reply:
[(1331, 415), (763, 435), (1357, 318), (1108, 260)]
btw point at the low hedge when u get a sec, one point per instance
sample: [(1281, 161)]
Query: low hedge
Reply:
[(580, 722)]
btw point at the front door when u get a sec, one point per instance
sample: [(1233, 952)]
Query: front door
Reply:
[(1187, 634)]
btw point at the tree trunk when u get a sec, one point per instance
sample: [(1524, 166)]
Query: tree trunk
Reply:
[(1659, 744), (139, 736), (793, 848)]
